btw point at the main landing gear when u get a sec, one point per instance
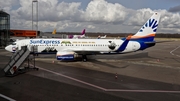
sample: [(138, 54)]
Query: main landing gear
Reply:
[(84, 58)]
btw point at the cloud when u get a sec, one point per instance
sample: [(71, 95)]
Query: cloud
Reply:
[(90, 26), (102, 11), (48, 10), (174, 9), (139, 17), (170, 20), (98, 16), (7, 5)]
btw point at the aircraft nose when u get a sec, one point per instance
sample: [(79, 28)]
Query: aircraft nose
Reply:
[(9, 48)]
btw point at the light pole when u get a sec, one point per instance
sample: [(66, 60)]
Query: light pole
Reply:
[(35, 2)]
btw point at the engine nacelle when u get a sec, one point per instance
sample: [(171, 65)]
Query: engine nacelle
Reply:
[(66, 55)]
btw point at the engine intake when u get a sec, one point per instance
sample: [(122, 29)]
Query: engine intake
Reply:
[(66, 55)]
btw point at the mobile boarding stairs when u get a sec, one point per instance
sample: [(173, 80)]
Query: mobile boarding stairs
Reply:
[(14, 66)]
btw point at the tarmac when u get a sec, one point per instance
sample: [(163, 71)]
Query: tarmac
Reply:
[(149, 75)]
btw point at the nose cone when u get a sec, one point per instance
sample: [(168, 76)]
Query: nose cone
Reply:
[(9, 48)]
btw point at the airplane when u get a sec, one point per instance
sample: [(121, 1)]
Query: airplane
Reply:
[(77, 36), (101, 37), (69, 49), (54, 31)]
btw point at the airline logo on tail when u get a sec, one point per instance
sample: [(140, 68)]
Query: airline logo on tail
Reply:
[(148, 30), (152, 23)]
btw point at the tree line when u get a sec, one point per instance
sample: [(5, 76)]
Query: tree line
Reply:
[(94, 34)]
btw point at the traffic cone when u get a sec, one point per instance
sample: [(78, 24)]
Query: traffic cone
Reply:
[(157, 60), (116, 77)]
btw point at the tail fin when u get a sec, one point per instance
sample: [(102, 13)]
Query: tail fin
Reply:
[(148, 30), (83, 32), (54, 32)]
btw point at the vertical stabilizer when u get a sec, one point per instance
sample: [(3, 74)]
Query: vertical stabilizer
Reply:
[(83, 32), (148, 30), (54, 32)]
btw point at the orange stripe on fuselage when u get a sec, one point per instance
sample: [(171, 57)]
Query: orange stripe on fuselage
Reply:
[(129, 37), (138, 37)]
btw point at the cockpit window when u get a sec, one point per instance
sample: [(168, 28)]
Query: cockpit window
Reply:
[(13, 43)]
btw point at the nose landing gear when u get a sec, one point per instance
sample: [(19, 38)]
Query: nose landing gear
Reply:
[(84, 58)]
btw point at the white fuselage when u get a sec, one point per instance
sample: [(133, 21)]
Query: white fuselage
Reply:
[(78, 45)]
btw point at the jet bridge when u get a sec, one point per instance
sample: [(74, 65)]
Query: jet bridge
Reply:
[(17, 59)]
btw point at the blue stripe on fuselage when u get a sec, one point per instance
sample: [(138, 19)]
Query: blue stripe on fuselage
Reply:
[(142, 45), (146, 39), (123, 46), (142, 41)]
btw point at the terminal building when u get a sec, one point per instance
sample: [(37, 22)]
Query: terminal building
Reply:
[(6, 33), (4, 28)]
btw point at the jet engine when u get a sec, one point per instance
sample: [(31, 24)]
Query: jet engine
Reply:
[(66, 55)]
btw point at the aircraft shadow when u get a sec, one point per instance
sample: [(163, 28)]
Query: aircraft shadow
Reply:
[(124, 56), (108, 65)]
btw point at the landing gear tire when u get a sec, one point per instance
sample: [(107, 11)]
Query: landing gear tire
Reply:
[(84, 58)]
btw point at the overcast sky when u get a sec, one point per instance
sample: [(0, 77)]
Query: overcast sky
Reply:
[(114, 16)]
